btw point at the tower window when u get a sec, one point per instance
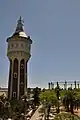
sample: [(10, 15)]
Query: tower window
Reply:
[(22, 45), (22, 66), (14, 94), (22, 83), (15, 75), (16, 45)]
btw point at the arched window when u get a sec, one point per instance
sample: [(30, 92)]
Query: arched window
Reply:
[(15, 65), (15, 75), (22, 45), (14, 94), (22, 64)]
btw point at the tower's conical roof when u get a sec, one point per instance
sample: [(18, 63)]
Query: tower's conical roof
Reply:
[(20, 28)]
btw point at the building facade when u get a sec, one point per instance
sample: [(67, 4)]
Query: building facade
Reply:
[(3, 91), (18, 52)]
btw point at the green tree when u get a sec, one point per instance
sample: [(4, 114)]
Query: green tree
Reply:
[(49, 96), (18, 108), (7, 109), (36, 96)]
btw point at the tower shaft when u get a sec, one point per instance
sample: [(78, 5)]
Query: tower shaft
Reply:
[(17, 85)]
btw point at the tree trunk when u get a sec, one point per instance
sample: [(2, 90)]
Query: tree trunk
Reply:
[(71, 108), (67, 107)]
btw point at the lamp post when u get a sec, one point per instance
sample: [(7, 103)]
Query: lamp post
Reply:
[(78, 85), (75, 84), (65, 85)]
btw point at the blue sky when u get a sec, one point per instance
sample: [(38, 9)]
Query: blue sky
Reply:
[(54, 26)]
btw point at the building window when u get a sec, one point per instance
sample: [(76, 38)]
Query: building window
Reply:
[(22, 66), (22, 45), (14, 94), (15, 75), (22, 83), (16, 45)]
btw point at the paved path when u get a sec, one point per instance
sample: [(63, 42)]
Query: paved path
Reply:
[(36, 114)]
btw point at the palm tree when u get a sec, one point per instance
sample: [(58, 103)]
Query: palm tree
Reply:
[(68, 100), (57, 90)]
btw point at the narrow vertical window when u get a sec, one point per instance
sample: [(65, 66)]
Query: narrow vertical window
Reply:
[(14, 94)]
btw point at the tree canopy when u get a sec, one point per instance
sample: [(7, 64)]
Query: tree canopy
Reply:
[(49, 96)]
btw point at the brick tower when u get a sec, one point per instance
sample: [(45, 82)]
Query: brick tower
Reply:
[(18, 52)]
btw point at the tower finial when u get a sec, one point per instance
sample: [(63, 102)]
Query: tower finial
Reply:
[(20, 18), (20, 25)]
